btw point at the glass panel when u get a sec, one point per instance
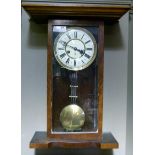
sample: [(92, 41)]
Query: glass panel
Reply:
[(74, 92)]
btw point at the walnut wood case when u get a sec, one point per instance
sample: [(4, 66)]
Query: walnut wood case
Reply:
[(89, 78)]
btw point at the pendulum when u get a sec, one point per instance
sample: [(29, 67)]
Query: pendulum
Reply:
[(72, 116)]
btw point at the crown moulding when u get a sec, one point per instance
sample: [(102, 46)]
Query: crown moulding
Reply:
[(42, 11)]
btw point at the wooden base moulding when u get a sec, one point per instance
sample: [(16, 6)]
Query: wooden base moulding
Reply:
[(40, 140)]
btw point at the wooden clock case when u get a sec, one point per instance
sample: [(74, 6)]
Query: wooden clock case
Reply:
[(87, 78), (81, 14)]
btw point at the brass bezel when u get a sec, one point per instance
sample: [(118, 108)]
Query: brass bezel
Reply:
[(91, 60)]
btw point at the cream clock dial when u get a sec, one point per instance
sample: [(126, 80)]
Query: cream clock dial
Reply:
[(75, 49)]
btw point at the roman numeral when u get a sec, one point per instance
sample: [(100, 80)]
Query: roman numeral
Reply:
[(74, 62), (89, 49), (75, 34), (60, 48), (87, 42), (67, 62), (63, 43), (68, 36), (82, 37), (62, 55), (87, 56), (82, 61)]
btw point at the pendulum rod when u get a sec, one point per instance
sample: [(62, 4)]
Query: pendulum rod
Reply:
[(73, 86)]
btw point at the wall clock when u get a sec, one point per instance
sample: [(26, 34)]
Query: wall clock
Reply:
[(75, 79), (75, 59)]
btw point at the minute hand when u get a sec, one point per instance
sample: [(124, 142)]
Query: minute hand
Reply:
[(76, 49), (73, 48)]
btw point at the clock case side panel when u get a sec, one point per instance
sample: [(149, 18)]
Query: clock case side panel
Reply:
[(76, 136)]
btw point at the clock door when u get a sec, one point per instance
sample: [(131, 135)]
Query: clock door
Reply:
[(75, 80)]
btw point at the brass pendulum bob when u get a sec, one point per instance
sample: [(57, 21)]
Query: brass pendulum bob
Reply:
[(72, 117)]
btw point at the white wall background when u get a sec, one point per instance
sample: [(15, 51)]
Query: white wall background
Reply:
[(33, 76)]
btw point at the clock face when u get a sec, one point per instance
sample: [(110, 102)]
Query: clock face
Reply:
[(75, 49)]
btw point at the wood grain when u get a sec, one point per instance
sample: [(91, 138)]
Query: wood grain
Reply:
[(40, 140), (49, 80), (100, 77), (43, 11), (51, 113)]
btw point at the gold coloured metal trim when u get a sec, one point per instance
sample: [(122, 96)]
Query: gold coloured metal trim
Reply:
[(93, 57)]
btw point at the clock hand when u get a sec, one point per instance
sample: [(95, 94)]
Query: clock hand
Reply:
[(71, 47), (81, 51), (76, 49)]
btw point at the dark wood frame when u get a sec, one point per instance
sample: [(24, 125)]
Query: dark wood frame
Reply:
[(41, 141), (41, 12), (83, 136)]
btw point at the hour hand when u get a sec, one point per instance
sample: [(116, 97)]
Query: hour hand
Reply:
[(81, 51)]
